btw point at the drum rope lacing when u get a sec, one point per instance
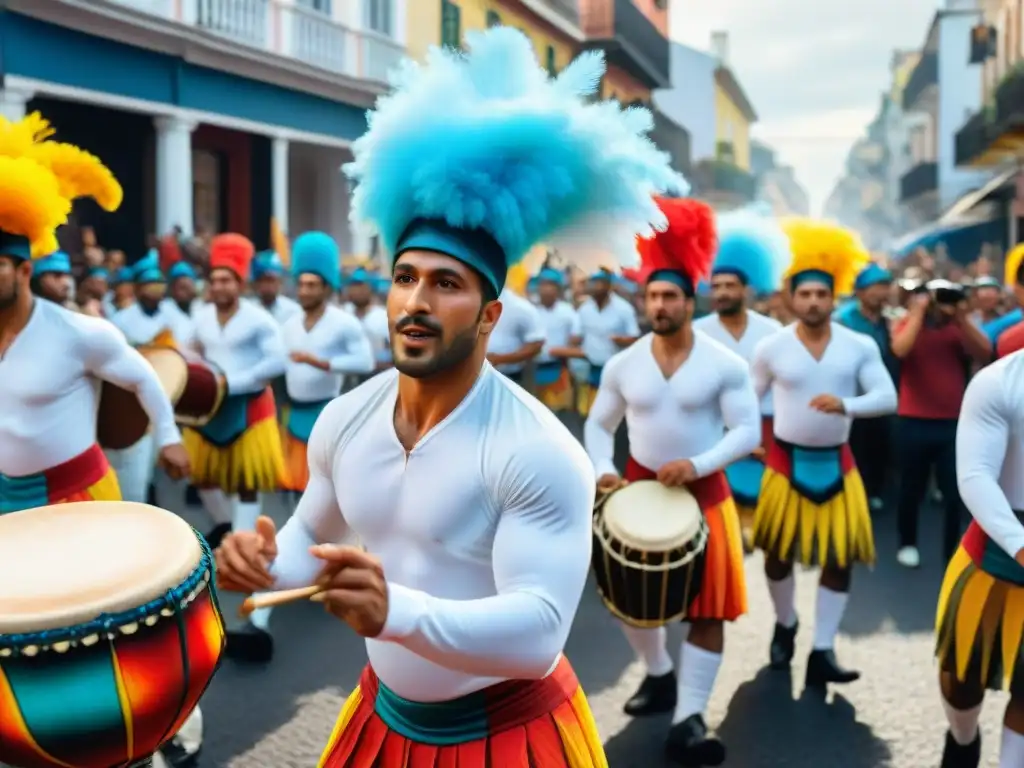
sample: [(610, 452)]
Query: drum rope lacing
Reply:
[(110, 625)]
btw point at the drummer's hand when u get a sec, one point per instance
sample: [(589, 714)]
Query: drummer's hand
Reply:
[(758, 453), (244, 558), (355, 589), (609, 482), (677, 473), (174, 461), (828, 404)]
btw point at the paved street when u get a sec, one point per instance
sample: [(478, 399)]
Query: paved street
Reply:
[(282, 714)]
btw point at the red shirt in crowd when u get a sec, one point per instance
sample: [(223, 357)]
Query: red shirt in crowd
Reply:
[(933, 376), (1010, 340)]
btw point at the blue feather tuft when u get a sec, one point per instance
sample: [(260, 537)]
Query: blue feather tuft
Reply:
[(753, 242), (487, 140)]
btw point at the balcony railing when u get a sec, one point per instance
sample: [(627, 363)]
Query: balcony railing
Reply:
[(924, 76), (567, 9), (919, 180), (1009, 100), (671, 137), (973, 139), (719, 176), (285, 29), (628, 38)]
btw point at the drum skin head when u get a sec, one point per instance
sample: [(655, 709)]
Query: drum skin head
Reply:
[(648, 516), (171, 369), (66, 564)]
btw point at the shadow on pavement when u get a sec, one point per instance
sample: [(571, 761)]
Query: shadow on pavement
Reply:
[(596, 648)]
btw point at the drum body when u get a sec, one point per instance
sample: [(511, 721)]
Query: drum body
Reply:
[(109, 633), (121, 421), (203, 394), (648, 555)]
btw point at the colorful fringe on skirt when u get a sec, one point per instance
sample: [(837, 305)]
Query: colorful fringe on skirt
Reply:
[(745, 478), (86, 477), (979, 622), (240, 449), (588, 392), (723, 593), (554, 386), (519, 724), (813, 507), (298, 426)]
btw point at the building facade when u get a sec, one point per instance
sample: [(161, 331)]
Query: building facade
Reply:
[(215, 115), (690, 100)]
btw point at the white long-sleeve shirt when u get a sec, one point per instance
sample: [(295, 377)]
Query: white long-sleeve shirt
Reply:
[(561, 323), (248, 349), (600, 324), (705, 412), (483, 530), (990, 451), (851, 363), (519, 325), (338, 338), (283, 309), (758, 327), (50, 385), (375, 324), (142, 328)]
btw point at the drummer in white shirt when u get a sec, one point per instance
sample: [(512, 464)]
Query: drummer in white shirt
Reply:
[(267, 279), (561, 325), (372, 316), (608, 324), (518, 336), (324, 344), (182, 293)]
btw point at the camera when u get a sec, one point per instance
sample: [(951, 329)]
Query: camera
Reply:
[(946, 292)]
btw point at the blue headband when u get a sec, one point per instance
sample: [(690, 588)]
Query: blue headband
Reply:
[(57, 263), (550, 275), (672, 276), (736, 272), (473, 247), (180, 270), (98, 272), (812, 276), (872, 274), (15, 246), (124, 275)]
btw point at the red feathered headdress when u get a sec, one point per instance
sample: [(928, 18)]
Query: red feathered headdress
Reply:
[(688, 245), (234, 252)]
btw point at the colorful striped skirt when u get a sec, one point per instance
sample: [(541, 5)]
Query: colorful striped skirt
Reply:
[(588, 392), (554, 385), (745, 478), (979, 622), (240, 449), (86, 477), (523, 723), (813, 507), (723, 593), (295, 433)]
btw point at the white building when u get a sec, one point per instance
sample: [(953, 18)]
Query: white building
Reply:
[(690, 101), (215, 115)]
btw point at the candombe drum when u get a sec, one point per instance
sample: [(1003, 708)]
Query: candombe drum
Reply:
[(110, 632), (648, 555), (121, 421), (202, 393)]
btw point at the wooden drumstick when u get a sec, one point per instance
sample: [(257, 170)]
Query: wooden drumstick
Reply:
[(273, 599)]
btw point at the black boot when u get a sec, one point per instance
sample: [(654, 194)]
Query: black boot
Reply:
[(956, 755), (177, 757), (655, 695), (217, 533), (688, 744), (822, 668), (250, 643), (780, 653)]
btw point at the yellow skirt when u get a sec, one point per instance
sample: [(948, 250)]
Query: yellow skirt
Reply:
[(747, 516), (557, 395), (834, 528), (296, 462), (979, 627)]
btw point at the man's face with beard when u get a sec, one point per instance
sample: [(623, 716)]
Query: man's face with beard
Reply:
[(599, 289), (14, 277), (268, 287), (728, 294), (874, 297), (56, 286), (311, 291), (183, 291), (813, 303), (437, 313), (548, 292), (360, 295), (149, 295), (668, 308), (225, 288)]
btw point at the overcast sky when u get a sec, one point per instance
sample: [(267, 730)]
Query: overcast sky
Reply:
[(813, 69)]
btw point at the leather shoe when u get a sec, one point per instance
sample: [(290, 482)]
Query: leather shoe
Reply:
[(956, 755), (822, 668), (780, 653), (655, 695), (250, 643), (688, 744)]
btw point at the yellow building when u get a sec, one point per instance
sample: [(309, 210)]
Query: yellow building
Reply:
[(734, 116), (555, 37)]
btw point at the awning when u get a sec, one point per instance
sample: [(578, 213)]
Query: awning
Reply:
[(972, 199), (962, 237)]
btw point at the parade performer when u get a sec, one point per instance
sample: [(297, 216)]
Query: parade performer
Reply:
[(122, 292), (562, 328), (517, 338), (238, 454), (980, 614), (372, 316), (753, 253), (52, 279), (690, 411), (181, 289), (267, 279), (812, 506), (325, 344), (466, 596)]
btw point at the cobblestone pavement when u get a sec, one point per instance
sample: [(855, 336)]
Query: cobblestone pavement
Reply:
[(281, 715)]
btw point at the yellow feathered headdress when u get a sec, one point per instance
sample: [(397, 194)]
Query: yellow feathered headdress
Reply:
[(821, 246), (1013, 260), (40, 178)]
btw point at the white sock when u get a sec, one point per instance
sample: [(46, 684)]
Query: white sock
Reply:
[(963, 723), (1011, 753), (783, 595), (828, 614), (260, 618), (217, 505), (698, 669), (649, 645), (245, 514)]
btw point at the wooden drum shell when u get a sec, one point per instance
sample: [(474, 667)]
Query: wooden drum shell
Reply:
[(203, 395)]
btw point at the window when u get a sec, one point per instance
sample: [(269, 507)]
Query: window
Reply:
[(379, 16), (207, 185), (323, 6), (493, 19), (550, 61), (451, 25)]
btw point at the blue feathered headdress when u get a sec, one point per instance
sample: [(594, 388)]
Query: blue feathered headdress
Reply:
[(147, 269), (753, 246), (483, 155), (316, 253)]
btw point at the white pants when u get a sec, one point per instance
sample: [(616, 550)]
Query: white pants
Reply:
[(134, 468)]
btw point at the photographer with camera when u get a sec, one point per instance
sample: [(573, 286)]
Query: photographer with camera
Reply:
[(936, 343)]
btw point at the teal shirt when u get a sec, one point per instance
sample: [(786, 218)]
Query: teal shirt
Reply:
[(850, 316)]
